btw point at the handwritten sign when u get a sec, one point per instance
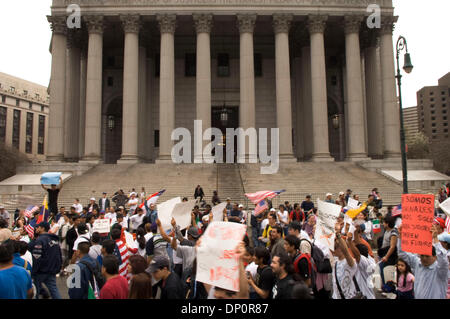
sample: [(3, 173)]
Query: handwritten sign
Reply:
[(218, 211), (217, 263), (445, 206), (327, 215), (165, 212), (182, 213), (417, 218), (102, 226), (352, 203)]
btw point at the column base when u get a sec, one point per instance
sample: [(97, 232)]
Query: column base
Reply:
[(287, 158), (357, 158), (392, 155), (129, 159), (54, 158), (95, 160), (164, 159), (318, 158)]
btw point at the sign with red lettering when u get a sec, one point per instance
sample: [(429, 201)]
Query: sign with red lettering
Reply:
[(417, 219), (217, 262)]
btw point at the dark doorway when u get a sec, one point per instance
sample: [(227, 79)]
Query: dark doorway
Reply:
[(113, 125), (224, 117)]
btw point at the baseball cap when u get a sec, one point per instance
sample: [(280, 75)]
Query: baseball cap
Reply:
[(228, 198), (341, 193), (205, 218), (273, 210), (121, 207), (193, 231), (241, 206), (159, 262), (328, 194), (44, 225), (2, 207), (445, 237), (92, 198), (439, 221)]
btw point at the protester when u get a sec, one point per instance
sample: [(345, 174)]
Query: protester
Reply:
[(15, 281), (199, 193), (388, 250), (116, 286), (263, 282), (169, 282), (86, 267), (96, 249), (297, 214), (282, 268), (5, 232), (283, 218), (141, 286), (53, 193), (272, 221), (276, 240)]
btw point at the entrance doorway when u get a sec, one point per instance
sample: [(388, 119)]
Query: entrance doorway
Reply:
[(224, 117), (113, 131)]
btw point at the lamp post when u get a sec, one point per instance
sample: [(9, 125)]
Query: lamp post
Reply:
[(407, 66)]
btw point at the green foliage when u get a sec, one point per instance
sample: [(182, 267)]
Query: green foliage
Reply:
[(418, 145)]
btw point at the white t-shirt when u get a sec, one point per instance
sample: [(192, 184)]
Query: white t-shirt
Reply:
[(111, 217), (135, 221), (252, 269), (283, 217), (368, 230), (78, 207), (264, 223), (148, 236), (398, 222), (95, 251), (80, 239), (345, 275), (366, 268), (124, 223), (133, 203)]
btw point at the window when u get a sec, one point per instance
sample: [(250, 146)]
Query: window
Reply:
[(431, 93), (443, 99), (17, 102), (445, 118), (37, 96), (190, 64), (12, 89), (434, 131), (42, 108), (41, 134), (432, 112), (432, 99), (16, 129), (223, 64), (442, 92), (444, 111), (444, 105), (433, 124), (445, 124), (257, 59), (433, 118), (3, 124), (156, 141), (434, 137), (445, 130), (157, 65), (110, 81), (29, 132), (30, 105), (25, 92), (432, 105), (3, 99)]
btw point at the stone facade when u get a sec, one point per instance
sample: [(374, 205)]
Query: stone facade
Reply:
[(145, 67)]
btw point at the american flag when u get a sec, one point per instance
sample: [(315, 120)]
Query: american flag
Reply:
[(397, 210), (30, 228), (447, 224), (30, 210), (257, 197), (260, 207), (152, 199)]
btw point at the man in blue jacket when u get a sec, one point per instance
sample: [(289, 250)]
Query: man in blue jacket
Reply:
[(47, 260), (86, 264)]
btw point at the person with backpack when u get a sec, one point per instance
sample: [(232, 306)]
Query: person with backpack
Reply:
[(304, 264), (297, 214), (90, 279), (263, 282)]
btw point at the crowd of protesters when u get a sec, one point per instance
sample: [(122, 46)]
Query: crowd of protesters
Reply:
[(279, 258)]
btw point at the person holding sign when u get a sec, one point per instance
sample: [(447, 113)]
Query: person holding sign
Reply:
[(53, 193), (431, 272)]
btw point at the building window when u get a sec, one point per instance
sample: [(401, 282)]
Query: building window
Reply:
[(444, 105), (157, 65), (432, 105), (17, 102), (443, 99), (257, 59), (156, 141), (12, 89), (444, 111), (445, 130), (36, 96), (42, 108), (432, 99), (434, 137), (190, 64), (3, 99), (110, 81), (431, 93), (445, 124), (25, 92), (3, 124), (30, 105), (445, 118), (223, 64), (16, 129), (433, 131), (433, 124), (442, 92), (29, 140), (432, 112), (433, 118), (41, 134)]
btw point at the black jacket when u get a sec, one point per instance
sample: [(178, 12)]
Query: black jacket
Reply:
[(46, 253), (71, 236), (107, 204)]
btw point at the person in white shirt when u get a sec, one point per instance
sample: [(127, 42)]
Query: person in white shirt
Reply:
[(104, 203), (96, 249), (132, 203), (136, 220), (283, 219), (78, 206), (111, 215), (83, 236)]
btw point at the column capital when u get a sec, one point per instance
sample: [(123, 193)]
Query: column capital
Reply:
[(203, 22), (95, 23), (131, 23), (352, 23), (167, 22), (58, 24), (246, 22), (388, 24), (282, 22), (317, 23)]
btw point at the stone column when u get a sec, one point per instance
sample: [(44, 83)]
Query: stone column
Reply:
[(203, 25), (319, 126), (355, 115), (83, 75), (93, 133), (131, 25), (298, 87), (281, 25), (144, 114), (55, 150), (373, 98), (167, 25), (390, 106), (307, 100), (72, 107), (247, 119)]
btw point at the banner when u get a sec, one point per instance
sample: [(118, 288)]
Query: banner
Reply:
[(165, 212), (51, 178), (417, 219), (218, 212), (182, 213), (101, 226), (327, 215), (217, 263), (445, 206)]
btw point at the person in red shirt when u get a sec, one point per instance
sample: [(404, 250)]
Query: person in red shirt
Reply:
[(116, 286)]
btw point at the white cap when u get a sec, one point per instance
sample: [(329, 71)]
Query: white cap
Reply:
[(241, 206), (341, 193), (133, 193), (2, 207), (205, 218), (273, 210), (329, 194), (92, 199)]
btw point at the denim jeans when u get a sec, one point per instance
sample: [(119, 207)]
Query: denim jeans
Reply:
[(49, 281)]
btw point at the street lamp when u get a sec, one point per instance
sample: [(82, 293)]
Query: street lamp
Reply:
[(407, 67), (335, 121)]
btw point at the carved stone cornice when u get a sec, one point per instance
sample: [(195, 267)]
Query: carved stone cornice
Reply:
[(131, 23), (203, 22), (317, 23), (352, 23), (388, 24), (246, 22), (58, 24), (167, 22), (282, 22), (95, 23)]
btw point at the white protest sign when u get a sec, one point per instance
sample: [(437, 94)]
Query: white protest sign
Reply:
[(445, 206), (101, 226), (182, 213), (352, 203), (130, 240), (165, 212), (327, 216), (217, 263), (218, 212)]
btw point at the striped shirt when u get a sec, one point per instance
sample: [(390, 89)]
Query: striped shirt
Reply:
[(125, 254)]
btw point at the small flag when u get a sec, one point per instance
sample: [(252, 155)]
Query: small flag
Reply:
[(30, 210), (397, 210), (152, 199), (257, 197), (376, 226), (43, 215), (260, 207), (352, 213), (30, 228)]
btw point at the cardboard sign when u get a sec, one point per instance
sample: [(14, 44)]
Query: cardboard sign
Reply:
[(217, 263), (445, 206), (102, 226), (218, 212), (130, 240), (165, 212), (182, 213), (352, 203), (417, 219), (51, 178), (327, 215)]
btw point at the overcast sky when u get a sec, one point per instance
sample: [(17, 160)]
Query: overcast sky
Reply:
[(425, 24)]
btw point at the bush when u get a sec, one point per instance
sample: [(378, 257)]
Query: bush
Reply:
[(10, 158), (418, 146)]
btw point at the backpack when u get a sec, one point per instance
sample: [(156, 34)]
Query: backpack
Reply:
[(312, 269), (97, 275), (323, 265), (296, 216)]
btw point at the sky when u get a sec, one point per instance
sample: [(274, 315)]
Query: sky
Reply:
[(425, 24)]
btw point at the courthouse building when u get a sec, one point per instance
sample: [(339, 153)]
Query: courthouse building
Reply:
[(137, 69)]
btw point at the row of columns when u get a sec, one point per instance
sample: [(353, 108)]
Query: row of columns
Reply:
[(73, 99)]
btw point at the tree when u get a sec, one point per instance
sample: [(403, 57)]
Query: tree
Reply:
[(10, 158)]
